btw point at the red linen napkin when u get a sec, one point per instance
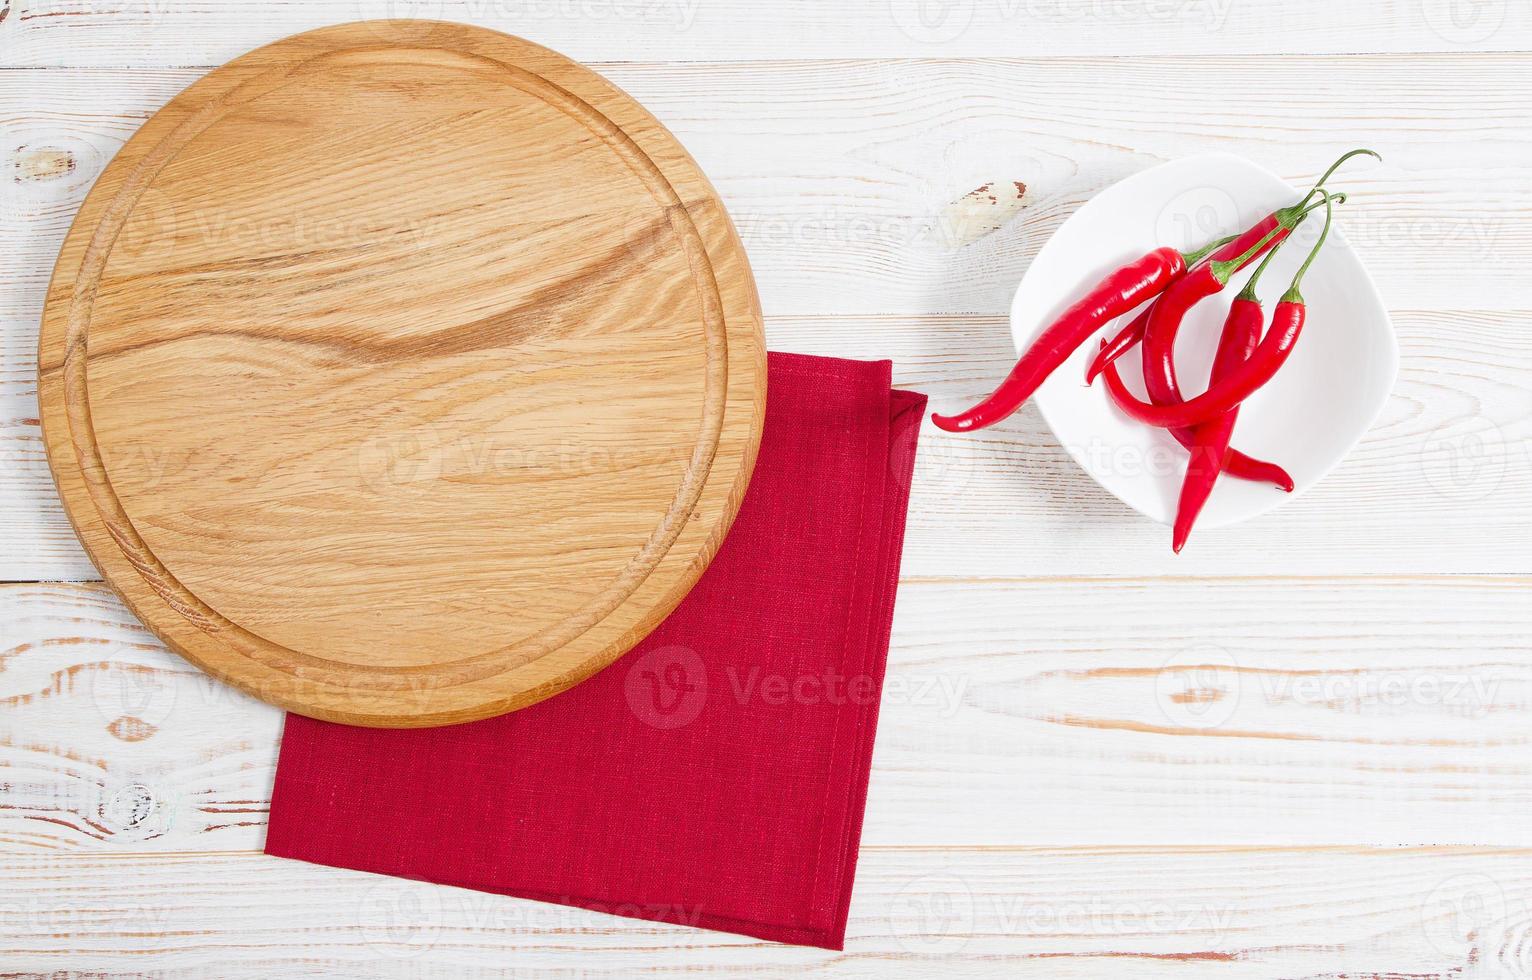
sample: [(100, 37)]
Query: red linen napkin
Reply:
[(716, 774)]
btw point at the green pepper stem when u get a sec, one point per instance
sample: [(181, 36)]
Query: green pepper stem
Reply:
[(1248, 293), (1292, 214), (1192, 258), (1223, 270), (1339, 197), (1293, 295), (1320, 183)]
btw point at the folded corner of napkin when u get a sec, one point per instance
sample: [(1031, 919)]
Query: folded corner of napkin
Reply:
[(715, 775)]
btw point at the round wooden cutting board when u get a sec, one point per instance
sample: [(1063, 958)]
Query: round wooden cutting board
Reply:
[(402, 373)]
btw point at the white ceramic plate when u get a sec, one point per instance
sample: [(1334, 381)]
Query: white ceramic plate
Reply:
[(1307, 419)]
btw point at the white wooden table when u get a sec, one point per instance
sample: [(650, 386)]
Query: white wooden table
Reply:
[(1302, 749)]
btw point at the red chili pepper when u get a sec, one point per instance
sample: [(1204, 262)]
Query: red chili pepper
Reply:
[(1284, 218), (1190, 289), (1243, 381), (1209, 444), (1236, 463), (1197, 285), (1257, 234), (1120, 344), (1116, 294)]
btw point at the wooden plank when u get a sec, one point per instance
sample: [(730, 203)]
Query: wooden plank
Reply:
[(1054, 711), (1442, 483), (850, 181), (1058, 914), (209, 32)]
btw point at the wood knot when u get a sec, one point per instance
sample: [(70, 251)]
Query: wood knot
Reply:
[(131, 729), (130, 806), (42, 163)]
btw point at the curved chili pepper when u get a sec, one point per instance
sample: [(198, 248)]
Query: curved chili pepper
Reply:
[(1235, 463), (1284, 218), (1165, 319), (1197, 285), (1138, 329), (1276, 228), (1209, 442), (1120, 344), (1160, 331), (1117, 293), (1243, 381)]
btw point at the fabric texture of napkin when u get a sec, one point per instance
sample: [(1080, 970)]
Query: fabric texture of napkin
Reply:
[(716, 774)]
